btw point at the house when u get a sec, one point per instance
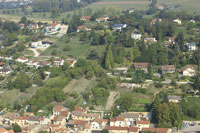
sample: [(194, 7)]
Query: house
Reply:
[(39, 45), (188, 71), (174, 99), (156, 130), (154, 21), (10, 118), (58, 110), (193, 92), (102, 19), (84, 116), (2, 64), (120, 70), (131, 117), (22, 59), (150, 40), (85, 18), (32, 63), (22, 121), (191, 46), (141, 66), (192, 21), (44, 121), (63, 29), (59, 120), (118, 27), (170, 41), (58, 62), (118, 122), (82, 28), (136, 36), (178, 21), (116, 129), (143, 124), (133, 130), (3, 130), (56, 28), (5, 71), (168, 69), (98, 124), (33, 120)]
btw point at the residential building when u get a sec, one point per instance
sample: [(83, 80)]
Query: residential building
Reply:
[(191, 46), (188, 71), (2, 64), (143, 124), (71, 62), (116, 129), (39, 45), (174, 99), (58, 62), (98, 124), (178, 21), (3, 130), (150, 40), (118, 27), (131, 117), (82, 28), (141, 66), (118, 122), (5, 71), (168, 69), (85, 18), (156, 130), (22, 59), (102, 19), (136, 36)]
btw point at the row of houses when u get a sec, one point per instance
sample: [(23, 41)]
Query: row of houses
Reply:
[(34, 63), (82, 121), (188, 70)]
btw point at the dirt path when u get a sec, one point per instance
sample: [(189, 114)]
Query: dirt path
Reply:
[(111, 99), (123, 2), (79, 85), (36, 53)]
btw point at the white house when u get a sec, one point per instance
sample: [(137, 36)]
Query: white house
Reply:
[(118, 122), (118, 27), (178, 21), (131, 117), (136, 36), (39, 44), (191, 46), (174, 99), (98, 124), (22, 59), (188, 71), (142, 124)]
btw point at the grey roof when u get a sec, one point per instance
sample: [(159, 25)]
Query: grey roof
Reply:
[(130, 115)]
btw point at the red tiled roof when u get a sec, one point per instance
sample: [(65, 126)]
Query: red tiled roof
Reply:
[(58, 108), (119, 118), (142, 122), (116, 128), (140, 65), (133, 129), (100, 120), (78, 109), (64, 113), (86, 18), (23, 118), (80, 122), (2, 64)]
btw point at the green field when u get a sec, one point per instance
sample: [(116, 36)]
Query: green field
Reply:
[(185, 5)]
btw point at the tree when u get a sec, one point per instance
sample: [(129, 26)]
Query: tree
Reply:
[(16, 128), (197, 82), (180, 40), (109, 61)]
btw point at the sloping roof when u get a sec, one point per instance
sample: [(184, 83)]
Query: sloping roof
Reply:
[(130, 115), (156, 130), (116, 128), (140, 65), (133, 129), (58, 108), (168, 68), (174, 98), (143, 122), (100, 120), (119, 118)]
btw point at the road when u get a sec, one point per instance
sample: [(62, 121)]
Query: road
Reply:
[(111, 99)]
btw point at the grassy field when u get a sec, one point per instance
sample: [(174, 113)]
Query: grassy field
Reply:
[(186, 5), (77, 48)]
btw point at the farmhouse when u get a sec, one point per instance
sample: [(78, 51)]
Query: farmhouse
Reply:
[(102, 19), (82, 28)]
